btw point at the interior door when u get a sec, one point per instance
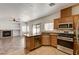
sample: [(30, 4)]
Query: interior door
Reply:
[(77, 38)]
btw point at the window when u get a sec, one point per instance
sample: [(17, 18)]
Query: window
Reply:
[(36, 29), (27, 29), (23, 29), (49, 26)]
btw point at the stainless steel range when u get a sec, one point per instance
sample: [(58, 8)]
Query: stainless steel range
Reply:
[(65, 41)]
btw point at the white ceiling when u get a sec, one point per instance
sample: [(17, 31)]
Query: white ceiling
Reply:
[(29, 11)]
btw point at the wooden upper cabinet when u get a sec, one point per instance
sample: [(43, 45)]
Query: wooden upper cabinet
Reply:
[(56, 23), (62, 20), (66, 16), (66, 12), (75, 19), (67, 20)]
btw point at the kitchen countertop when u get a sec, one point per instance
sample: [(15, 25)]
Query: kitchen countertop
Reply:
[(42, 34), (54, 32), (32, 35)]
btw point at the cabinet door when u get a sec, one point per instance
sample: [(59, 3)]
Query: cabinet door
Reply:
[(76, 39), (75, 19), (45, 40), (56, 23), (67, 20), (53, 40), (32, 43), (66, 12), (75, 46), (29, 43)]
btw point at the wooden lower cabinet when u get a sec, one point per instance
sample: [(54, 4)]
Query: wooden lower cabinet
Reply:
[(45, 39), (53, 40), (29, 43), (76, 47), (37, 40), (33, 42)]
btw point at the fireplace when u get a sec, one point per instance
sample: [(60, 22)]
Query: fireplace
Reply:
[(6, 33)]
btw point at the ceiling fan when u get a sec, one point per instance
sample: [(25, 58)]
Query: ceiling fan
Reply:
[(15, 20)]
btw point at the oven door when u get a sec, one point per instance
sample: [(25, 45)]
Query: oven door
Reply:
[(65, 46)]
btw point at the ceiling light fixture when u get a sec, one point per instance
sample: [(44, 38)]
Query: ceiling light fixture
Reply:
[(15, 20), (51, 4)]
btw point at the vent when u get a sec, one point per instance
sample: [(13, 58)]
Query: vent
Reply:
[(51, 4)]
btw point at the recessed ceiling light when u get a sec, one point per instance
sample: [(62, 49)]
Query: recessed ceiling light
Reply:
[(51, 4)]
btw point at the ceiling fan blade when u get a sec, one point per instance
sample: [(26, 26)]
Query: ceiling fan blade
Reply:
[(15, 20)]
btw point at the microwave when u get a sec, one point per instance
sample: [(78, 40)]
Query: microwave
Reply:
[(65, 26)]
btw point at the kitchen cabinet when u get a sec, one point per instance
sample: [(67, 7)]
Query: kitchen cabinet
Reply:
[(75, 46), (76, 38), (45, 39), (37, 41), (29, 42), (66, 12), (56, 23), (67, 20), (75, 19), (32, 42), (53, 40)]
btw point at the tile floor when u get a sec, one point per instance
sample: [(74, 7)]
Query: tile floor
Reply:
[(44, 50), (15, 46), (8, 45)]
